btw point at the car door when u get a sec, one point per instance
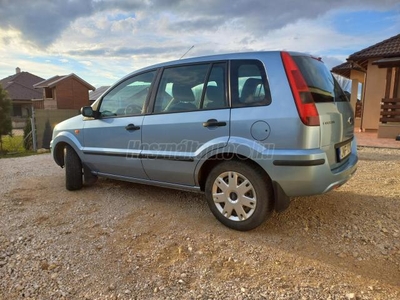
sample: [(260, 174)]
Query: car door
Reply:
[(190, 118), (112, 142)]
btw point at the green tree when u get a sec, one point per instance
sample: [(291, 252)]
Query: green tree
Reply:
[(5, 116), (47, 134)]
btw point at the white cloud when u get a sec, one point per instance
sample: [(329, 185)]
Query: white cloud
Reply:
[(126, 26), (86, 63), (114, 38)]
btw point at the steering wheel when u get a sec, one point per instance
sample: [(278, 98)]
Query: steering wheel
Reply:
[(133, 109)]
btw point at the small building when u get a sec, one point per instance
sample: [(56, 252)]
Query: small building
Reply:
[(64, 92), (20, 89), (94, 95), (377, 68)]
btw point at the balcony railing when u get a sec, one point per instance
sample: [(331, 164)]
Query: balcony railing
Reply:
[(390, 110)]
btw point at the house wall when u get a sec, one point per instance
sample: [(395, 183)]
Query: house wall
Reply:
[(50, 104), (71, 94), (356, 78), (395, 83), (374, 92)]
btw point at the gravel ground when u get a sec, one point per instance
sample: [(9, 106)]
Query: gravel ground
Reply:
[(119, 240)]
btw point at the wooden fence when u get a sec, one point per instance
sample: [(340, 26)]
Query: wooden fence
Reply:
[(390, 110)]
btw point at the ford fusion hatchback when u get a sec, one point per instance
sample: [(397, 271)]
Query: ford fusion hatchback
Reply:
[(249, 130)]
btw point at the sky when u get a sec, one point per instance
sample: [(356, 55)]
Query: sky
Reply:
[(103, 40)]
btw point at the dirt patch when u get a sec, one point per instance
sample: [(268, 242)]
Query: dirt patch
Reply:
[(118, 240)]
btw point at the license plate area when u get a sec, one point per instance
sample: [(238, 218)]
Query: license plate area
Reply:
[(343, 150)]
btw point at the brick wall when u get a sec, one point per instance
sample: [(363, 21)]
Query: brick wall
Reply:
[(71, 94)]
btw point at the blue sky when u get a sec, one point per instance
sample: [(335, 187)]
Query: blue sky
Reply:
[(103, 40)]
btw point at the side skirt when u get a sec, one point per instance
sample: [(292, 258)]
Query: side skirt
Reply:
[(175, 186)]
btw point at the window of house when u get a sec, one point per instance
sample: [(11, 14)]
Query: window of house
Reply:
[(48, 93), (249, 84), (129, 97)]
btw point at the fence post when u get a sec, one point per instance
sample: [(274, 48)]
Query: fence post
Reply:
[(33, 129)]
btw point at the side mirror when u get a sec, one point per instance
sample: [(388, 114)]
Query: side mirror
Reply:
[(87, 111)]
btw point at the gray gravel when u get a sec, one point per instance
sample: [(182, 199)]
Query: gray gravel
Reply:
[(118, 240)]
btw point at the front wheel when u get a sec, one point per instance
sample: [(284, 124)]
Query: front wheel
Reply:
[(239, 195), (73, 169)]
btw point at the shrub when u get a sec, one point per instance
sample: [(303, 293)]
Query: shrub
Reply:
[(28, 141)]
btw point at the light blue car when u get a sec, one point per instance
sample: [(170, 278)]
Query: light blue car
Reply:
[(250, 130)]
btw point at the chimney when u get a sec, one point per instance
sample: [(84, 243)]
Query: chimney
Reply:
[(17, 70)]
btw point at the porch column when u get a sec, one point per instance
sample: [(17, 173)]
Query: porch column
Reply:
[(354, 94)]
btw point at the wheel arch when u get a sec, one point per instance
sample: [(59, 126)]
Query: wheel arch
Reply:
[(58, 153), (59, 143), (214, 160)]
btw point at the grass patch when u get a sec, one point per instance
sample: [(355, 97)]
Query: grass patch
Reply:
[(13, 143), (13, 146), (17, 154)]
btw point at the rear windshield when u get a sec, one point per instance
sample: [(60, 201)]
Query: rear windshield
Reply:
[(323, 86)]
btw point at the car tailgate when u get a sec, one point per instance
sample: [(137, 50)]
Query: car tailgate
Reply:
[(334, 109)]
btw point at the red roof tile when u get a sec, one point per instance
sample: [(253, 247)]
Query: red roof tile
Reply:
[(18, 92), (53, 81), (387, 48), (97, 93), (47, 82), (20, 86)]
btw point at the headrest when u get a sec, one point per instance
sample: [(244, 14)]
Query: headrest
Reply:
[(182, 92), (215, 93)]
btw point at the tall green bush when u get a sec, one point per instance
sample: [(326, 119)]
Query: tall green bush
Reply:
[(47, 134)]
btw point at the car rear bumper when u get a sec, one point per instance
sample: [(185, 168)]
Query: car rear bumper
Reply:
[(310, 174)]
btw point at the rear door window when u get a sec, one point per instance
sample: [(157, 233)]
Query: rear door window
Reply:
[(321, 83), (214, 95), (178, 89), (249, 84), (191, 88)]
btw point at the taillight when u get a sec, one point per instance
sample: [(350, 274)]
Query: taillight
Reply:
[(302, 96)]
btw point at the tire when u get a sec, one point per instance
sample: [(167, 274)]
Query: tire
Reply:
[(239, 195), (73, 169)]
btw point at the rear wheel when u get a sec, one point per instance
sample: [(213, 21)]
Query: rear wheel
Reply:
[(239, 195), (73, 169)]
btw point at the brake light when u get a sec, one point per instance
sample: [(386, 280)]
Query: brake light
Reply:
[(302, 96)]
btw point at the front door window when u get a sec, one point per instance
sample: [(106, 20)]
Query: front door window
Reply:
[(113, 141), (129, 97)]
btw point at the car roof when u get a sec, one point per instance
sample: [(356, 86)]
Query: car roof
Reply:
[(217, 57), (207, 58)]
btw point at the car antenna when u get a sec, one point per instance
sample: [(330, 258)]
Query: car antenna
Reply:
[(186, 52)]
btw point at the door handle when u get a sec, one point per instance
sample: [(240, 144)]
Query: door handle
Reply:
[(132, 127), (213, 123)]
